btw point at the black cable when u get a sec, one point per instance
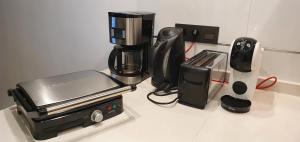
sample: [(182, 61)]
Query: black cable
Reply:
[(169, 92)]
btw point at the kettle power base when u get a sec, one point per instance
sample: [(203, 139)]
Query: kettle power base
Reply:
[(235, 105)]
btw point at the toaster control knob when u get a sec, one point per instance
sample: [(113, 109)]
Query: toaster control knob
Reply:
[(97, 116)]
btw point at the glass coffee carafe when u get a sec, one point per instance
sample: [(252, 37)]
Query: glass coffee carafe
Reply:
[(126, 61)]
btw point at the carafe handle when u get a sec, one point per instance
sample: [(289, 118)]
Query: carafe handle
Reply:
[(111, 60)]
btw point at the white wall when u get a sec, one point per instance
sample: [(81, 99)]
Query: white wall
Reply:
[(1, 55), (274, 23), (40, 38), (230, 15)]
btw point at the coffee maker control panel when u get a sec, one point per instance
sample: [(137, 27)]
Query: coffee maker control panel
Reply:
[(125, 28)]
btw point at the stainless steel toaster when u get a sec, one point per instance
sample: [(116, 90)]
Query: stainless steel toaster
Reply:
[(201, 77)]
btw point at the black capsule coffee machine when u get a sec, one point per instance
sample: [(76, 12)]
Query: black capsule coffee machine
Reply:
[(245, 60), (132, 34)]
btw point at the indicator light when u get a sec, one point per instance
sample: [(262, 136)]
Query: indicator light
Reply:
[(109, 107)]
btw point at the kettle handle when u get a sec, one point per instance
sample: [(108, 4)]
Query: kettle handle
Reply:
[(158, 57)]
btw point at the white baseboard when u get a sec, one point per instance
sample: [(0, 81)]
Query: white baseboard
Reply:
[(285, 87)]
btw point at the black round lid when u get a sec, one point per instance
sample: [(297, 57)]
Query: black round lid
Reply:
[(168, 32)]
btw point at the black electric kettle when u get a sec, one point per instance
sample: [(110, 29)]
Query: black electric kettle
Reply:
[(166, 55)]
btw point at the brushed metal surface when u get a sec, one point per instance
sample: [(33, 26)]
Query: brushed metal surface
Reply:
[(56, 89), (132, 28), (133, 31), (129, 80), (218, 74), (87, 100), (216, 62)]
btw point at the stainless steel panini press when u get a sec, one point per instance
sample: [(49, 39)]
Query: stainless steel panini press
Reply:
[(51, 105)]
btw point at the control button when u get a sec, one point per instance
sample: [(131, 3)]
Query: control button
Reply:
[(248, 45), (97, 116), (114, 106), (239, 87), (238, 43)]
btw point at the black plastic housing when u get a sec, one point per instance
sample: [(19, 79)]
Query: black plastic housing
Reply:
[(166, 56), (241, 54), (193, 86), (49, 127), (201, 77), (199, 33), (235, 105)]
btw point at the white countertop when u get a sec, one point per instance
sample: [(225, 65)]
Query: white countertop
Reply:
[(273, 117)]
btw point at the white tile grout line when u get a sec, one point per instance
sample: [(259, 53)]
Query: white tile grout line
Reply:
[(249, 15)]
